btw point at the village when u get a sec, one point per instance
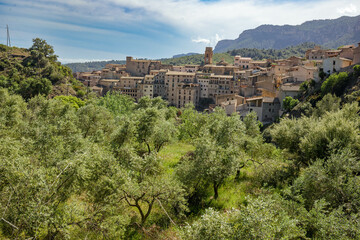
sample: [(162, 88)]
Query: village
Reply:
[(245, 86)]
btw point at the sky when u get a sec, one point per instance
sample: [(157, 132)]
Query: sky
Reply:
[(90, 30)]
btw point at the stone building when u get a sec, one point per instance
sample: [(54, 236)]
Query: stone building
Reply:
[(356, 59), (186, 93), (172, 80), (335, 64), (242, 62), (208, 58), (140, 68), (266, 108)]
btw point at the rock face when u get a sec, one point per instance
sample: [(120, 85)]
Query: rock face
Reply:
[(328, 33)]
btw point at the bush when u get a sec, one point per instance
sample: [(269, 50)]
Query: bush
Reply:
[(289, 103), (335, 84)]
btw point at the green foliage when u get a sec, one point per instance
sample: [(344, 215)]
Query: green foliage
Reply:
[(41, 46), (260, 54), (191, 123), (197, 59), (215, 156), (35, 71), (266, 218), (310, 138), (118, 104), (34, 86), (335, 84), (92, 66), (110, 168), (329, 103), (212, 225), (289, 103), (333, 180)]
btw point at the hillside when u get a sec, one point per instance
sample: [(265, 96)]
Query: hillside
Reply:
[(34, 71), (197, 59), (92, 66), (328, 33), (259, 54), (184, 55)]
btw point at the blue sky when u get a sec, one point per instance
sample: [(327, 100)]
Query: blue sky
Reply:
[(85, 30)]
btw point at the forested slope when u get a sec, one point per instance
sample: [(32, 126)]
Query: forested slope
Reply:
[(34, 71)]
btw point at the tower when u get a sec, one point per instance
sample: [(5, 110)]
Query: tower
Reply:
[(208, 55), (8, 36)]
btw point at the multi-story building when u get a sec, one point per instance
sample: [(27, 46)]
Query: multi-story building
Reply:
[(186, 93), (242, 62), (172, 79), (140, 68)]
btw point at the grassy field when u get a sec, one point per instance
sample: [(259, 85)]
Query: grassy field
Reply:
[(172, 153)]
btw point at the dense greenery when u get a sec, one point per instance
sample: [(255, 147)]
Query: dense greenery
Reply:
[(34, 71), (259, 54), (96, 169), (197, 59), (92, 66), (110, 168)]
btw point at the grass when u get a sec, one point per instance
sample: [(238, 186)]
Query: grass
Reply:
[(232, 193), (172, 153)]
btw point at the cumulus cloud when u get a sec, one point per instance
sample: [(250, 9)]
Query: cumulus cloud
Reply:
[(194, 17), (196, 22), (212, 41), (201, 40), (351, 9)]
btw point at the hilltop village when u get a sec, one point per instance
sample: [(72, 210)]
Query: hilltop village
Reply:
[(242, 87)]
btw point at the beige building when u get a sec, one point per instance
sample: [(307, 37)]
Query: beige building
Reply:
[(231, 103), (208, 57), (242, 62), (347, 51), (172, 80), (304, 73), (356, 59), (140, 68), (186, 93)]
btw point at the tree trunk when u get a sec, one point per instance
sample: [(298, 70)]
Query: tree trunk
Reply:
[(216, 194), (237, 177)]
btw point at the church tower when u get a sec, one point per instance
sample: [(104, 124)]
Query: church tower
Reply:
[(208, 55)]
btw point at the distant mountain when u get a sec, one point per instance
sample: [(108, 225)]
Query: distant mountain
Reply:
[(328, 33), (184, 55), (92, 66)]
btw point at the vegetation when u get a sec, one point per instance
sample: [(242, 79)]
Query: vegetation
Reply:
[(289, 103), (197, 59), (92, 66), (259, 54), (34, 71), (109, 168)]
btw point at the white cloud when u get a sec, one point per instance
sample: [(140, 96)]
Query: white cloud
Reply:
[(351, 9), (227, 18), (201, 40), (212, 41), (198, 22)]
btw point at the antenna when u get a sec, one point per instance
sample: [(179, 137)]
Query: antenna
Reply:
[(8, 43)]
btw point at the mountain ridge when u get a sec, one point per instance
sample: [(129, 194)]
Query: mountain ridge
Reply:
[(329, 33)]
